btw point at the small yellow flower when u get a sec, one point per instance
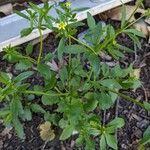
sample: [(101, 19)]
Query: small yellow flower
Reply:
[(68, 4), (62, 25)]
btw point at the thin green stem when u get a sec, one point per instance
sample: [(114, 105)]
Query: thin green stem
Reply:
[(134, 22), (31, 59), (69, 54), (41, 46), (89, 76), (69, 78), (43, 93), (129, 25), (58, 90), (90, 48)]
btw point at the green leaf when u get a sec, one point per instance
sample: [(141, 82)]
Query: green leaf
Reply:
[(105, 69), (95, 63), (27, 114), (124, 48), (146, 137), (60, 48), (50, 100), (116, 54), (102, 143), (19, 128), (91, 102), (14, 107), (29, 49), (111, 31), (123, 18), (79, 141), (38, 88), (35, 7), (23, 76), (4, 113), (48, 57), (63, 73), (53, 118), (21, 14), (147, 133), (147, 106), (74, 49), (23, 65), (22, 87), (135, 32), (91, 21), (89, 143), (4, 78), (111, 141), (116, 123), (131, 83), (135, 39), (110, 83), (105, 101), (63, 123), (44, 71), (67, 132), (26, 32), (37, 108)]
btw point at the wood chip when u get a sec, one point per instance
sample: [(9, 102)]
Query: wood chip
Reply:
[(115, 14)]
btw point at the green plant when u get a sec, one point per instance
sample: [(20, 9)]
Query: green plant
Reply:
[(36, 16), (145, 140), (81, 85)]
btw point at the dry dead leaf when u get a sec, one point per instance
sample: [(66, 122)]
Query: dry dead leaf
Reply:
[(6, 9), (6, 132), (46, 133), (136, 73), (142, 26), (147, 20), (116, 14)]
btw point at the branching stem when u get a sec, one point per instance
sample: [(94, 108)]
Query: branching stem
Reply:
[(41, 46), (43, 93)]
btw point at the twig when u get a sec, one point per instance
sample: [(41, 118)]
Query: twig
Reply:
[(116, 113), (145, 93), (104, 117), (44, 145), (135, 54)]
